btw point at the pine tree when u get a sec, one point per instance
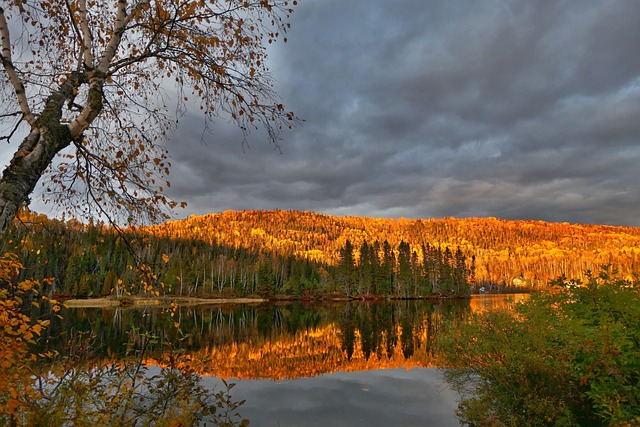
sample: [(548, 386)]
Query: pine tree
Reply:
[(388, 268), (346, 267), (403, 279)]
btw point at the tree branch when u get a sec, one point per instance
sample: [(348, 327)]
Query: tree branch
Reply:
[(74, 24), (13, 131), (7, 63), (14, 114), (87, 39), (119, 27), (97, 76)]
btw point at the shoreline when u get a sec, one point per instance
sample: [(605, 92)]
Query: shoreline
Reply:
[(141, 301), (157, 301)]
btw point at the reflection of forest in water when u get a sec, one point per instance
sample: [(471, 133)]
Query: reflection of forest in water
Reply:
[(270, 340), (483, 302)]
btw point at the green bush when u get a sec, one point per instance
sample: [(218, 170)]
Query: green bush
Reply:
[(568, 357)]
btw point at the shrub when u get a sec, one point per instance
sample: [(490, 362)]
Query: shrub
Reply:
[(570, 356)]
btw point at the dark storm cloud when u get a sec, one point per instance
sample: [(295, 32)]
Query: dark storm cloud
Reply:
[(513, 109)]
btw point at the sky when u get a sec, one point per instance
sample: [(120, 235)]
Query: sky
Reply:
[(438, 108)]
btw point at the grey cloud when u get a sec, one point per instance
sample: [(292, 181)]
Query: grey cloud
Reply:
[(512, 109)]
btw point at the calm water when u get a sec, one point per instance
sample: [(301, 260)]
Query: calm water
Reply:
[(339, 364), (385, 397)]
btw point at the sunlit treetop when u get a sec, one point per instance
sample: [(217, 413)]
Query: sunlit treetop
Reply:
[(105, 81)]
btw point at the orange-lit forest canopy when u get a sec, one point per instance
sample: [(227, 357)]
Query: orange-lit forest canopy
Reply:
[(303, 253), (96, 260), (506, 252)]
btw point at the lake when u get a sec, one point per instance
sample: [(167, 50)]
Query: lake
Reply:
[(295, 364)]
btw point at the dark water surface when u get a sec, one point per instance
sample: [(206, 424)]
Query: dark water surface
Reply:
[(338, 364)]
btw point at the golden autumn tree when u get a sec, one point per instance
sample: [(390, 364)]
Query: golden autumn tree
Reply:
[(100, 83)]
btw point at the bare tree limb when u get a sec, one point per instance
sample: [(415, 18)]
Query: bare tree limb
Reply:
[(87, 38), (13, 131), (7, 63), (119, 27)]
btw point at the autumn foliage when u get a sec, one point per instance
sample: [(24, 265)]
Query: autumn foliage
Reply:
[(306, 254), (508, 253), (100, 84), (18, 332)]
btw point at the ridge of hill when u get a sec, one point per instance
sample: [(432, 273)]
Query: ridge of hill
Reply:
[(248, 253), (507, 252)]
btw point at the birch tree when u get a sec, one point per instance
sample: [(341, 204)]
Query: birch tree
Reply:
[(91, 88)]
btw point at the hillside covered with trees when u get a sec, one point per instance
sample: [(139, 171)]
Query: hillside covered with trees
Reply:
[(507, 253), (304, 254)]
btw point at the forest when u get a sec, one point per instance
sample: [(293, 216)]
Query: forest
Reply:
[(309, 255), (94, 260), (508, 253)]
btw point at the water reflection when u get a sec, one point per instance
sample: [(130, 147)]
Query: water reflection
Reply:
[(333, 364), (376, 398), (485, 302), (272, 341)]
